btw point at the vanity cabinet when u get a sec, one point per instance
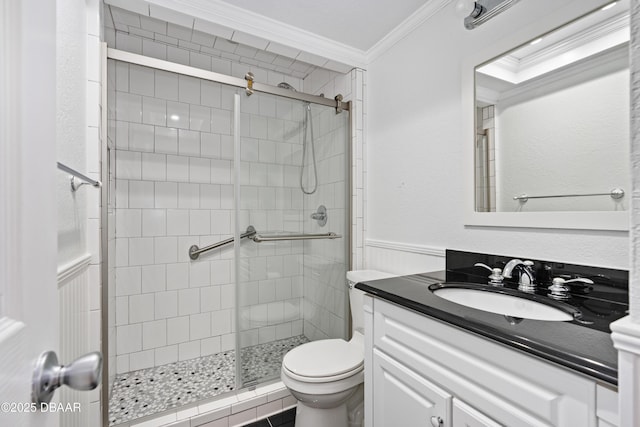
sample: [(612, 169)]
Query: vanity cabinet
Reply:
[(607, 407), (465, 415), (420, 371), (408, 397)]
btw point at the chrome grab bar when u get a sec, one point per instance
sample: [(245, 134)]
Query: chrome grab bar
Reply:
[(75, 174), (194, 251), (616, 193), (270, 238)]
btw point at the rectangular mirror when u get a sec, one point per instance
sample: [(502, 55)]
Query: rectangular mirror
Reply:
[(552, 121)]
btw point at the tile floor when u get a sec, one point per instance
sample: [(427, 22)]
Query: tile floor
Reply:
[(283, 419), (149, 391)]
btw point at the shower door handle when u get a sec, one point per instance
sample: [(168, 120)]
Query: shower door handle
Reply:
[(82, 374)]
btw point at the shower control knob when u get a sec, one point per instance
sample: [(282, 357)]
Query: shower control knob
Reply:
[(82, 374), (437, 421), (320, 215)]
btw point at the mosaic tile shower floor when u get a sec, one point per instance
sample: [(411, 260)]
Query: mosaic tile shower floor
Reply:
[(149, 391)]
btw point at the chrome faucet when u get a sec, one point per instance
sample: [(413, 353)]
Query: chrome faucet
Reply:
[(527, 278)]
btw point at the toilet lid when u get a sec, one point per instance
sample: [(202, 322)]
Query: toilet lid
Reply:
[(324, 358)]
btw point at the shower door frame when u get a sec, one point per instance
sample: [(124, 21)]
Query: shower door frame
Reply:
[(250, 86)]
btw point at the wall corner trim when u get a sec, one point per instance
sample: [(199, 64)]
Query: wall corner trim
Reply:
[(625, 334), (406, 247), (405, 28), (72, 269)]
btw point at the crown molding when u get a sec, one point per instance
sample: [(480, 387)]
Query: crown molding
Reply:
[(253, 24), (405, 28), (243, 22)]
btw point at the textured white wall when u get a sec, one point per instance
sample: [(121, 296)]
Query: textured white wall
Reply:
[(415, 143), (634, 288), (71, 122)]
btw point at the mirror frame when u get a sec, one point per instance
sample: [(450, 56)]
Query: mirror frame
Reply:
[(582, 220)]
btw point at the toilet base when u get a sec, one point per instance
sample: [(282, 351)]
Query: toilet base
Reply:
[(306, 416), (319, 411)]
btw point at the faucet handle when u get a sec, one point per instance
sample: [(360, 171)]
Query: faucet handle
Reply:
[(496, 277), (580, 279), (559, 290), (479, 264)]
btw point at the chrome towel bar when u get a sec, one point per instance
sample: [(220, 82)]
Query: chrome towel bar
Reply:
[(258, 238), (616, 193), (75, 174), (195, 251)]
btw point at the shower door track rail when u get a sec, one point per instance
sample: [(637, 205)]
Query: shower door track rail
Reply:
[(133, 58)]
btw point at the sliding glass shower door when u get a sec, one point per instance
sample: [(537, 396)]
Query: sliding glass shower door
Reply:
[(171, 333), (291, 274), (196, 162)]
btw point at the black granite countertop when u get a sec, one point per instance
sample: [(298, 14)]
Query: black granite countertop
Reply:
[(587, 350)]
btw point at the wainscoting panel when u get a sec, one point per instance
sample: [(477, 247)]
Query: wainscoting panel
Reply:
[(402, 258), (75, 340)]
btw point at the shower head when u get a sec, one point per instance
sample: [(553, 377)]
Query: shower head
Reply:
[(285, 85)]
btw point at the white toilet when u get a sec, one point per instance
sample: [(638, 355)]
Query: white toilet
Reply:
[(327, 376)]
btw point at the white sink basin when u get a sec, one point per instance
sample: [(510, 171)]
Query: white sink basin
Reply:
[(495, 300)]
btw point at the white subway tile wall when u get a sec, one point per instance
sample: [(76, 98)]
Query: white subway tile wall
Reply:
[(326, 261), (170, 202), (173, 189), (265, 203), (273, 275)]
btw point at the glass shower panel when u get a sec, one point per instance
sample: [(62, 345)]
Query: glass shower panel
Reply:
[(285, 287), (326, 261), (172, 340)]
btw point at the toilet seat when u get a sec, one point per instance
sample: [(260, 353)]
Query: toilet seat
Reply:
[(324, 361)]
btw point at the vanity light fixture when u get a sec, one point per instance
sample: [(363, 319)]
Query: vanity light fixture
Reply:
[(478, 12), (471, 8)]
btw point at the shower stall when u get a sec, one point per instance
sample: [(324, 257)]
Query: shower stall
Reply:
[(228, 231)]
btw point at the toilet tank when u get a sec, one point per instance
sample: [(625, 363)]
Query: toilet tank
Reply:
[(355, 295)]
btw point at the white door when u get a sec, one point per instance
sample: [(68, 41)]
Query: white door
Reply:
[(28, 289)]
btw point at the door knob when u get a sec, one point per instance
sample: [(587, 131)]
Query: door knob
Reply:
[(82, 374), (437, 421)]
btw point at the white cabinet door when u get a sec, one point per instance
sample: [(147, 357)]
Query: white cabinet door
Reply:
[(465, 416), (404, 398)]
